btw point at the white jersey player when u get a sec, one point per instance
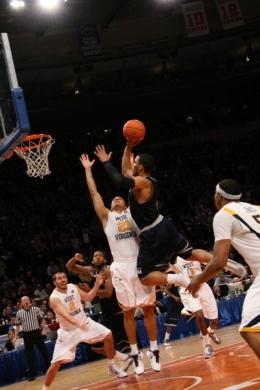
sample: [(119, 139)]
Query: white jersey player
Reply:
[(237, 224), (204, 305), (75, 327), (120, 230)]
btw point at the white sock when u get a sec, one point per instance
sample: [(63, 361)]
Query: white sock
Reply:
[(205, 340), (46, 387), (120, 356), (110, 361), (134, 349), (153, 345), (167, 336), (210, 330), (178, 280)]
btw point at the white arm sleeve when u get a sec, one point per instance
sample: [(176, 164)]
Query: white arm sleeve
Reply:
[(222, 226)]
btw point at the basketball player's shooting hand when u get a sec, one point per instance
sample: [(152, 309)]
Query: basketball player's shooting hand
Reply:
[(85, 161), (131, 142), (101, 153)]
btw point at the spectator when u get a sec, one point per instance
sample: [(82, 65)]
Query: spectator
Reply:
[(220, 286), (52, 325), (52, 268), (40, 292), (10, 344)]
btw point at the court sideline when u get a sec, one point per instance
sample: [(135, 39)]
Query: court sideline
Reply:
[(233, 367)]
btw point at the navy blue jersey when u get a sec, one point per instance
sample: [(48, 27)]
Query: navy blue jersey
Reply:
[(146, 213)]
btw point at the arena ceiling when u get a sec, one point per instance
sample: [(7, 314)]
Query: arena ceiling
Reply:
[(143, 44)]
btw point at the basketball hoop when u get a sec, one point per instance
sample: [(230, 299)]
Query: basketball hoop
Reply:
[(35, 150)]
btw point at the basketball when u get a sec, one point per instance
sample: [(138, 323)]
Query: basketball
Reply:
[(134, 130)]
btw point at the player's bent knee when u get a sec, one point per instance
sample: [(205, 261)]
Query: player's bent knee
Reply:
[(108, 337), (129, 313)]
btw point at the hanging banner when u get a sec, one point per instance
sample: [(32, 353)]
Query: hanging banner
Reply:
[(230, 13), (195, 19), (89, 41)]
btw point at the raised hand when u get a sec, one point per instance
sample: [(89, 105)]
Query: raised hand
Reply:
[(100, 278), (79, 257), (85, 161), (131, 142), (101, 153)]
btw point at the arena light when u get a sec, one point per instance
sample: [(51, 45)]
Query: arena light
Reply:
[(50, 5), (17, 4)]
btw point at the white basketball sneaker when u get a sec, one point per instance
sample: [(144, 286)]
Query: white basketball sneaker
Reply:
[(154, 359), (215, 337), (139, 366), (208, 351), (114, 370), (166, 342), (127, 363)]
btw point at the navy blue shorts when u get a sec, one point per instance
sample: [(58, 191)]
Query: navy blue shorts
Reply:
[(173, 312), (158, 245)]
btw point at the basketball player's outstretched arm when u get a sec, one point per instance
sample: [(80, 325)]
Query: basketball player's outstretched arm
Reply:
[(114, 174), (89, 296), (72, 265), (205, 257), (100, 209), (126, 161), (218, 262)]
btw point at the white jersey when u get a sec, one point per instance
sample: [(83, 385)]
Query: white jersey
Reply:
[(230, 224), (121, 234), (205, 300), (189, 269), (71, 302)]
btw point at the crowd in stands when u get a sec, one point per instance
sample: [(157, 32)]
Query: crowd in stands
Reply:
[(44, 222)]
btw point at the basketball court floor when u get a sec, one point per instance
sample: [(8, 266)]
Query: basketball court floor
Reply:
[(233, 367)]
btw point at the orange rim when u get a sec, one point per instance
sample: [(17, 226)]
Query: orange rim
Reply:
[(32, 137)]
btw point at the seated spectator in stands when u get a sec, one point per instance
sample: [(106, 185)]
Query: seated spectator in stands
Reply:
[(10, 344), (52, 324), (40, 292), (221, 285), (52, 268), (7, 314), (12, 322), (23, 289), (48, 289)]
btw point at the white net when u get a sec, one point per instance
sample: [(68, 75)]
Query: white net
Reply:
[(35, 150)]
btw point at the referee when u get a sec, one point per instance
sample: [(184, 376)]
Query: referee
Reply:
[(31, 319)]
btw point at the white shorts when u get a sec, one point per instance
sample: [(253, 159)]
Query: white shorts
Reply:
[(68, 339), (205, 302), (250, 321), (130, 292)]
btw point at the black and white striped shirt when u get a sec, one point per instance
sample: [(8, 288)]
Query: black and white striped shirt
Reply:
[(29, 319)]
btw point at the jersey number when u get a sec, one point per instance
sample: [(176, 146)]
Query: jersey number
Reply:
[(71, 306), (123, 226)]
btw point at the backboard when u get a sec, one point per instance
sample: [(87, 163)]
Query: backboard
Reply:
[(14, 121)]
